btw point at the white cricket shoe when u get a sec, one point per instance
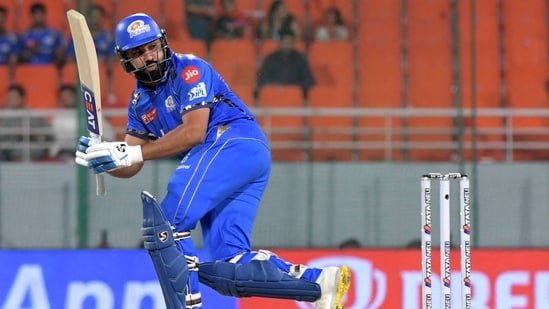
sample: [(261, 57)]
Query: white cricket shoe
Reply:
[(334, 283)]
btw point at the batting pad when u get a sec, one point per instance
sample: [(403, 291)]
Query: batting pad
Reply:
[(170, 264), (256, 278)]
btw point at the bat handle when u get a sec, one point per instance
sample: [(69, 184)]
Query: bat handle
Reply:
[(99, 178), (100, 184)]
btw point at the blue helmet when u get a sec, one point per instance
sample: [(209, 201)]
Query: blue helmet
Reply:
[(136, 30)]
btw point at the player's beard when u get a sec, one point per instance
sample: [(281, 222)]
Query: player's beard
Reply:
[(150, 76)]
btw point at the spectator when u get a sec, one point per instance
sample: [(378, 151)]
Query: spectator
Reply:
[(286, 66), (332, 27), (350, 243), (103, 38), (279, 20), (231, 22), (200, 18), (14, 129), (42, 44), (9, 43), (65, 123), (16, 97)]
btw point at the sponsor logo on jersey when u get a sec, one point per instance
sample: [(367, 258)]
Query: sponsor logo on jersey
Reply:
[(198, 91), (190, 74), (135, 97), (149, 116), (170, 105), (138, 27)]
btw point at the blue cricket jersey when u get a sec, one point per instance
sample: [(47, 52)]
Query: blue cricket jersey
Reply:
[(9, 46), (218, 183), (47, 38), (153, 113)]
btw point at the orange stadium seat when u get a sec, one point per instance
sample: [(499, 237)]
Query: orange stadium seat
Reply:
[(328, 131), (69, 75), (175, 20), (285, 132), (124, 8), (123, 85), (40, 82), (5, 76), (189, 46), (55, 14), (487, 76), (245, 93), (526, 49), (379, 75), (430, 76), (330, 70), (379, 63), (11, 7), (235, 60)]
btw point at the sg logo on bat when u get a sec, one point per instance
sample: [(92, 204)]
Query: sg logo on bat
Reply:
[(92, 121)]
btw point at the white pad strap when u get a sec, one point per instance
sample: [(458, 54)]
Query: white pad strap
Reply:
[(193, 301), (180, 235), (192, 262)]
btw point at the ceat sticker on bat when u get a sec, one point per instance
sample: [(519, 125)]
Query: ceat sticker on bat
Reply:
[(92, 119), (190, 74)]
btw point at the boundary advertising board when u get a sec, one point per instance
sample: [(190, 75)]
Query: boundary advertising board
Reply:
[(125, 279)]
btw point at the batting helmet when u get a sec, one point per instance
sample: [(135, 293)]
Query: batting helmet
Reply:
[(136, 30)]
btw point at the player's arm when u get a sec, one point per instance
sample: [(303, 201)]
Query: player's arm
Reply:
[(187, 135), (125, 159)]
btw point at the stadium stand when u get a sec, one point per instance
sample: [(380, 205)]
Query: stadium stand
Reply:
[(41, 83), (332, 134), (189, 46), (379, 72), (4, 75), (399, 59), (285, 132), (11, 7), (525, 41), (55, 14), (235, 60), (339, 71), (429, 76), (175, 20)]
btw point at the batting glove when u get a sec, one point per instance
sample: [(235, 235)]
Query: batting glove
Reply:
[(106, 157), (83, 143)]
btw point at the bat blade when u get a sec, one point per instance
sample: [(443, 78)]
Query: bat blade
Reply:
[(88, 74)]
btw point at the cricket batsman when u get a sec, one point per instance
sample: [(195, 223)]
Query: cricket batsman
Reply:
[(182, 107)]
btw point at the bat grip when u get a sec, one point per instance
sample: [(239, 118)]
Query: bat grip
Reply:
[(99, 178), (100, 184)]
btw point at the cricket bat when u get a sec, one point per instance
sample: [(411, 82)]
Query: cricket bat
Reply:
[(88, 73)]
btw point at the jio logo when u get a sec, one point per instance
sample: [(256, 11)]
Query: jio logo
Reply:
[(190, 74), (369, 284)]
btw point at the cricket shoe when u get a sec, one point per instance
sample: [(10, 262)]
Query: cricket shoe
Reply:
[(334, 283)]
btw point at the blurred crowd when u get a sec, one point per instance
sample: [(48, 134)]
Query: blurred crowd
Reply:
[(27, 55)]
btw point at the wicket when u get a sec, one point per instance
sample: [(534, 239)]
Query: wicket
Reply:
[(445, 245)]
